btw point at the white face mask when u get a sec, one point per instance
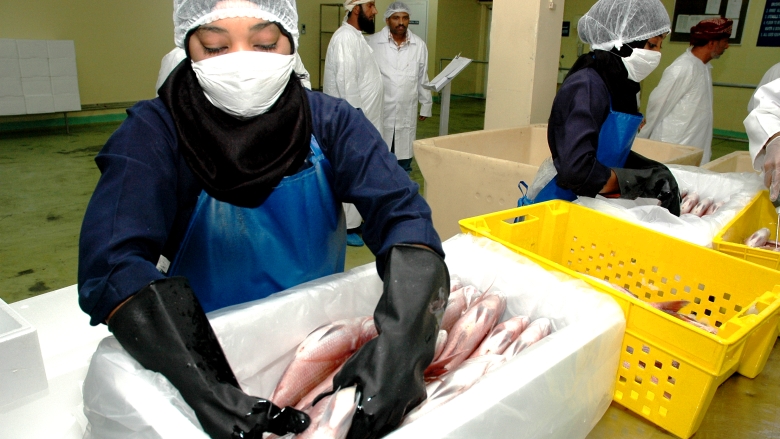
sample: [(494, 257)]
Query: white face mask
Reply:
[(641, 63), (246, 83)]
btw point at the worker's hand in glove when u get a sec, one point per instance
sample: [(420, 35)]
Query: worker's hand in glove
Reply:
[(642, 177), (772, 167), (165, 329), (389, 369)]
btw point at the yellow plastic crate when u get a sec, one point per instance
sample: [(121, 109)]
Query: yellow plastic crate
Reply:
[(669, 370), (757, 214)]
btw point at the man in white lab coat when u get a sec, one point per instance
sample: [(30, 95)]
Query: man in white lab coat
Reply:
[(351, 74), (680, 108), (763, 129), (403, 60)]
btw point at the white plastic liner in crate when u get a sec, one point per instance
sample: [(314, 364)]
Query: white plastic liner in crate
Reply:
[(735, 188), (557, 388)]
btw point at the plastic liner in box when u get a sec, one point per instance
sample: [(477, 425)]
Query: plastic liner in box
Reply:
[(558, 388), (736, 189)]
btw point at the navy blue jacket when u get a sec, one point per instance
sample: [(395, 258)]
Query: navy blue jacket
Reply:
[(578, 112), (147, 193)]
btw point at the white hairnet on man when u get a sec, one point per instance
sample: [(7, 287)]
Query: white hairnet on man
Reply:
[(396, 7), (613, 23), (350, 4)]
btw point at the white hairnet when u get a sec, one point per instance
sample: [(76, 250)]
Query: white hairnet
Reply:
[(397, 7), (349, 4), (612, 23), (189, 14)]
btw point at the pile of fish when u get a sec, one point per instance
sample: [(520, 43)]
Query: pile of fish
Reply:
[(693, 204), (671, 307), (760, 239), (471, 342)]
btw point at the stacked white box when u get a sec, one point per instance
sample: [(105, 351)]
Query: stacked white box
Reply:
[(62, 68), (21, 365), (11, 95), (38, 76)]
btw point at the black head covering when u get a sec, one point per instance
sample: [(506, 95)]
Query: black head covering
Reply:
[(238, 161), (610, 68)]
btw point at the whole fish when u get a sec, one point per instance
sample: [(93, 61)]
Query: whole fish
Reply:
[(325, 386), (689, 202), (323, 350), (537, 330), (691, 319), (702, 206), (714, 207), (453, 383), (473, 295), (671, 305), (502, 336), (456, 306), (455, 283), (441, 341), (468, 332), (331, 418), (758, 238)]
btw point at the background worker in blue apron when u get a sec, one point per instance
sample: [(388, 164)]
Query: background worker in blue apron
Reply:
[(595, 115), (236, 175)]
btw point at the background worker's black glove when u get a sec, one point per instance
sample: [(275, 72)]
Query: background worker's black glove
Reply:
[(164, 327), (389, 369), (642, 177)]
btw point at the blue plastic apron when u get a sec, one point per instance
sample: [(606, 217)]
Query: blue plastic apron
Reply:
[(233, 254), (615, 139)]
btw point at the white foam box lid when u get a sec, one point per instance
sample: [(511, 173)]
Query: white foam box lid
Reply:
[(557, 388), (21, 365)]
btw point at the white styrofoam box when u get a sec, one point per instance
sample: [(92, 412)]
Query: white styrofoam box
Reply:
[(62, 67), (38, 104), (64, 85), (8, 49), (9, 68), (21, 365), (558, 388), (34, 67), (67, 102), (36, 86), (32, 49), (61, 49), (11, 87), (11, 105)]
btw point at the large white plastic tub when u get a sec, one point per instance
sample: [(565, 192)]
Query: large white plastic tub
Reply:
[(558, 388)]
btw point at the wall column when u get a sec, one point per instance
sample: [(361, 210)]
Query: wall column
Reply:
[(525, 41)]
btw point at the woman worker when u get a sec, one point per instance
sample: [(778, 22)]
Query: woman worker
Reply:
[(595, 115), (236, 175)]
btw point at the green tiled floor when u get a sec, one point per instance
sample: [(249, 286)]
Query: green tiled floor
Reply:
[(47, 177)]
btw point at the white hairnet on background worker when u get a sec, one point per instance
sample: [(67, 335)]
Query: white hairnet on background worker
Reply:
[(763, 129), (350, 4), (397, 7), (611, 24)]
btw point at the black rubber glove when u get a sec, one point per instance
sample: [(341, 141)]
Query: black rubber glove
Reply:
[(164, 327), (389, 369), (642, 177)]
